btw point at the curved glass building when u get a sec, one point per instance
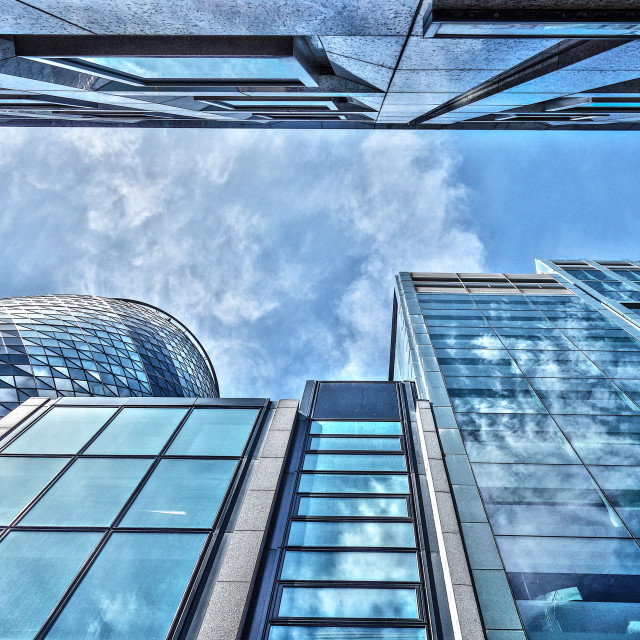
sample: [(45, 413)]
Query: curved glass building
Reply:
[(75, 345)]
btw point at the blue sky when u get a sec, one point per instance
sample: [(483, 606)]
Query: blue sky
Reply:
[(278, 249)]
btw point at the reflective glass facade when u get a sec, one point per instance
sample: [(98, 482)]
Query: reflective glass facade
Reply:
[(88, 346), (106, 529), (532, 381), (350, 558)]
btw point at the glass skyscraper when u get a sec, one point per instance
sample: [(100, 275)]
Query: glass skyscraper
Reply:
[(68, 345), (488, 490)]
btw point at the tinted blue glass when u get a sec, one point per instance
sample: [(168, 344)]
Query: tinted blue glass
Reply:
[(138, 431), (360, 566), (148, 572), (345, 483), (507, 302), (36, 568), (61, 430), (545, 500), (560, 303), (181, 493), (556, 364), (446, 301), (462, 337), (454, 318), (356, 444), (506, 318), (344, 633), (363, 462), (587, 274), (622, 487), (561, 395), (617, 364), (476, 362), (580, 587), (602, 340), (629, 274), (356, 428), (335, 602), (21, 479), (493, 395), (579, 320), (603, 439), (514, 438), (631, 388), (606, 287), (351, 534), (353, 507), (356, 401), (90, 493), (533, 338), (214, 432)]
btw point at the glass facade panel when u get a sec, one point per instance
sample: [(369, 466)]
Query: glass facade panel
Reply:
[(137, 431), (545, 500), (492, 395), (357, 566), (352, 427), (214, 432), (351, 534), (467, 338), (617, 364), (63, 430), (355, 444), (361, 462), (476, 362), (181, 493), (148, 571), (356, 401), (334, 602), (556, 364), (345, 483), (89, 494), (21, 480), (35, 569), (622, 486), (345, 633), (353, 507)]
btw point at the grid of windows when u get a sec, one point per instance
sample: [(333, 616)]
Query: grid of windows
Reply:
[(534, 399), (106, 519), (353, 563), (88, 346)]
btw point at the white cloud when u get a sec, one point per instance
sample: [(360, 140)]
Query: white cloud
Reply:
[(278, 249)]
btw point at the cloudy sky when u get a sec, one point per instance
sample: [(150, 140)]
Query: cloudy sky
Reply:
[(278, 249)]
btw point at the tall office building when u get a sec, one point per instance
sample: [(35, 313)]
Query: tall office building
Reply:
[(69, 345), (488, 490), (413, 64)]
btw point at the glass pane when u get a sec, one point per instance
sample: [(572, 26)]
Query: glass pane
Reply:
[(579, 320), (514, 438), (580, 587), (533, 339), (556, 364), (355, 444), (90, 493), (214, 432), (356, 400), (622, 486), (61, 430), (203, 68), (602, 340), (359, 566), (603, 439), (356, 428), (21, 479), (36, 568), (344, 483), (181, 493), (138, 431), (344, 633), (493, 395), (334, 602), (351, 534), (354, 507), (476, 362), (545, 500), (457, 338), (133, 588), (454, 318), (561, 395), (617, 364), (339, 462)]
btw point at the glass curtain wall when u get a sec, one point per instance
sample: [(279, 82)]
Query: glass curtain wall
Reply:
[(535, 400), (107, 514), (352, 564)]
